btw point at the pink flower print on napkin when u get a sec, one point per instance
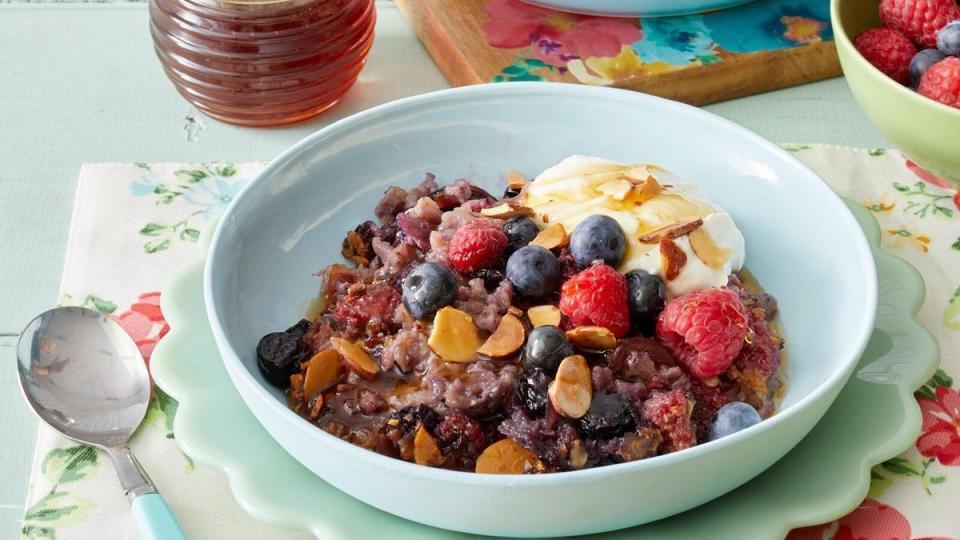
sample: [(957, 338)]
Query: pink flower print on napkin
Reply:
[(145, 323), (927, 176), (871, 520), (556, 37), (940, 434)]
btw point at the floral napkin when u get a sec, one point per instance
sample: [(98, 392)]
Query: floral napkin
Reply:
[(136, 225)]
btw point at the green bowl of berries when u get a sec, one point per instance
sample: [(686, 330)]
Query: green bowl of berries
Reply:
[(901, 59)]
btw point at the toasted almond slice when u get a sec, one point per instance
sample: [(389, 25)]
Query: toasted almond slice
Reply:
[(592, 338), (454, 336), (545, 315), (506, 456), (515, 311), (707, 250), (637, 174), (578, 455), (516, 180), (507, 210), (672, 259), (425, 449), (505, 340), (648, 190), (554, 236), (617, 190), (571, 391), (358, 359), (671, 231), (322, 372)]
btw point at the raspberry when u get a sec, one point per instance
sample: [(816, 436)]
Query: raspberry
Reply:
[(367, 309), (704, 330), (476, 245), (669, 413), (597, 296), (920, 20), (889, 51), (942, 82)]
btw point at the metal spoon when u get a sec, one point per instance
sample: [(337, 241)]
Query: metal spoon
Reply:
[(84, 376)]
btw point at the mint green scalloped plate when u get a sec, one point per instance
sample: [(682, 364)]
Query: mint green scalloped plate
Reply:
[(874, 418)]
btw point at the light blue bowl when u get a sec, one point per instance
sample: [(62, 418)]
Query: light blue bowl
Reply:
[(637, 8), (802, 243)]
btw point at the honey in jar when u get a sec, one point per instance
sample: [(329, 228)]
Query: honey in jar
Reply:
[(262, 62)]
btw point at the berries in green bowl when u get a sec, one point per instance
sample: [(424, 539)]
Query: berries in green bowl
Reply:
[(925, 129)]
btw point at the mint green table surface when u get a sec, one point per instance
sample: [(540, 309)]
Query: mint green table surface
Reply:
[(79, 83)]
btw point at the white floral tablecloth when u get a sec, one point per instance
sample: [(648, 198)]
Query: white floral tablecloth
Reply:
[(135, 225)]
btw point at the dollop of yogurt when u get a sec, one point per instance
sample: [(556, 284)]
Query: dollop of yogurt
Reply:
[(580, 186)]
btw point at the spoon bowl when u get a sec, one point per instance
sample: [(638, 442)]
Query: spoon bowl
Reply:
[(85, 377)]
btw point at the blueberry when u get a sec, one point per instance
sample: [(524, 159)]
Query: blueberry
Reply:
[(598, 237), (428, 288), (731, 418), (948, 39), (279, 355), (532, 390), (534, 271), (411, 416), (545, 348), (520, 231), (609, 416), (921, 62), (645, 296)]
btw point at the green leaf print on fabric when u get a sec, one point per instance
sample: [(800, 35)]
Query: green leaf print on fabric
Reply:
[(58, 509), (160, 413), (63, 465), (209, 186), (903, 467), (61, 508), (921, 202), (951, 315), (102, 305), (929, 388)]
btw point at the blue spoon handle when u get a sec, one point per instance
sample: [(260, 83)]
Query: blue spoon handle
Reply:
[(154, 519)]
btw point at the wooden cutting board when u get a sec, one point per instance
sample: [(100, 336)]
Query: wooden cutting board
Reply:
[(699, 59)]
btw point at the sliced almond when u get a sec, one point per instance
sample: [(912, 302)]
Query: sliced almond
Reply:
[(707, 250), (425, 449), (592, 338), (507, 210), (672, 259), (617, 190), (358, 359), (322, 372), (545, 315), (571, 392), (505, 340), (454, 336), (515, 311), (554, 236), (316, 408), (506, 456), (578, 455), (648, 190), (516, 180), (637, 174), (671, 231)]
